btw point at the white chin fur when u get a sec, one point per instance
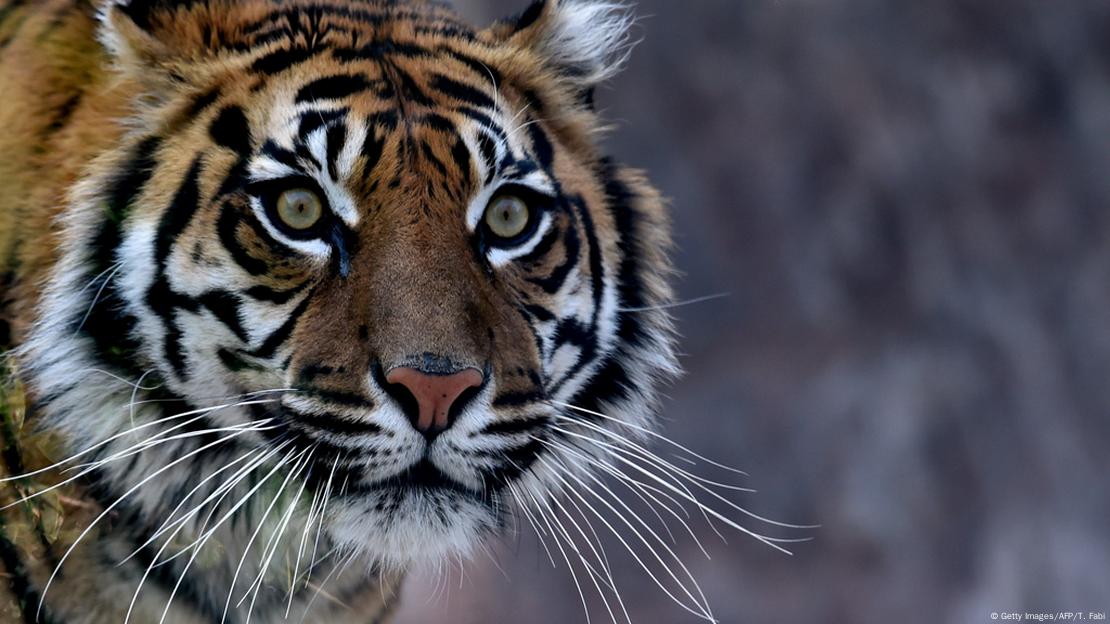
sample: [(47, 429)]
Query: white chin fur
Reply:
[(423, 529)]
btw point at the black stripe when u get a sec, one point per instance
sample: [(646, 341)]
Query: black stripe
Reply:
[(202, 102), (460, 153), (462, 92), (332, 423), (314, 119), (333, 88), (227, 226), (276, 297), (231, 130), (515, 426), (337, 139), (542, 248), (281, 334), (225, 307), (545, 154), (107, 322), (489, 155), (179, 214), (514, 399), (274, 151), (554, 281), (630, 287), (280, 60), (597, 267), (432, 158)]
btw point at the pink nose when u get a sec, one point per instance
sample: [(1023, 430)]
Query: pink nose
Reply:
[(434, 394)]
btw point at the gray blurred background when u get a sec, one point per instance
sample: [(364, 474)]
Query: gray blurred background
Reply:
[(909, 204)]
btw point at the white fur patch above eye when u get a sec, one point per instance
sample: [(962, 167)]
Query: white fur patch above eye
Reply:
[(590, 37)]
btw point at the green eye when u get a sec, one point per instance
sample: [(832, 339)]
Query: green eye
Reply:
[(300, 208), (507, 216)]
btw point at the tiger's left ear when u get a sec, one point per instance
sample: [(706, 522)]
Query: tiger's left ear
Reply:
[(587, 41), (145, 35)]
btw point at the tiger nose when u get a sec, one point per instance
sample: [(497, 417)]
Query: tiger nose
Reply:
[(434, 395)]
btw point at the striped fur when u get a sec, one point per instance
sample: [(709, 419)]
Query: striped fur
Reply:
[(148, 286)]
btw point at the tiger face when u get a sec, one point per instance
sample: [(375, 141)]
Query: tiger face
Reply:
[(389, 238)]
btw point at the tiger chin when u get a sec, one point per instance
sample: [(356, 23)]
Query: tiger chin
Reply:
[(305, 293)]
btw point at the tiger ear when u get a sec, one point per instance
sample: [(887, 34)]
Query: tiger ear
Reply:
[(157, 34), (586, 40)]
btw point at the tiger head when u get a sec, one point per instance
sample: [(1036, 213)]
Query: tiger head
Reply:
[(389, 237)]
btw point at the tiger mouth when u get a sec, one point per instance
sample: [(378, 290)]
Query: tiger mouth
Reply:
[(422, 477)]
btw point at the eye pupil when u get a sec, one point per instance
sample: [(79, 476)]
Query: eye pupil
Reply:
[(299, 209), (507, 217)]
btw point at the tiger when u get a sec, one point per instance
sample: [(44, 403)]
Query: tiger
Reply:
[(300, 295)]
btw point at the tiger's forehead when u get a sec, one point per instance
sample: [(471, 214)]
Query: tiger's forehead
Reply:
[(433, 125)]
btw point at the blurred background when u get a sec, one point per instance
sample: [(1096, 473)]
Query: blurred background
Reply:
[(909, 206)]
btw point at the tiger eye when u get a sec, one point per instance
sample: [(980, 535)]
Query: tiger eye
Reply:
[(507, 216), (299, 209)]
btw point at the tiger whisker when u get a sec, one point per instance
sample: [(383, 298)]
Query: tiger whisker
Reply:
[(320, 523), (704, 611), (276, 539), (197, 545), (312, 508), (163, 420), (639, 488), (648, 432), (96, 297), (169, 522), (678, 304), (678, 483), (595, 576), (694, 480), (522, 505), (157, 440), (255, 533), (703, 604), (180, 524), (563, 552), (337, 570), (116, 503), (85, 469), (687, 495)]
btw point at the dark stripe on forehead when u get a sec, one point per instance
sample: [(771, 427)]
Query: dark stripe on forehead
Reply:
[(333, 88), (460, 154), (202, 102), (432, 158), (280, 60), (489, 155), (541, 146), (462, 92)]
